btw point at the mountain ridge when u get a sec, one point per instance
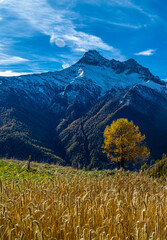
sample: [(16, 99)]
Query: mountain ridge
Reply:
[(62, 114)]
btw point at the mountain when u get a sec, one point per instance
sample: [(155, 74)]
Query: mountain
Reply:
[(60, 116)]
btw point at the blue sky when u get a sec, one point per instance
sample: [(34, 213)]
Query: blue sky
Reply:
[(47, 35)]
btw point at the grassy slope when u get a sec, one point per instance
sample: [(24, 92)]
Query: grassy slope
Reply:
[(11, 169)]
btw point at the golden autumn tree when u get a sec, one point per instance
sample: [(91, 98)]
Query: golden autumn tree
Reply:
[(124, 142)]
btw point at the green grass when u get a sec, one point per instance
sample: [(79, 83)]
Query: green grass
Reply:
[(11, 169), (14, 170)]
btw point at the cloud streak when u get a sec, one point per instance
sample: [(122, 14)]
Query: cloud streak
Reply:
[(9, 73), (148, 52), (120, 24), (9, 60), (58, 24), (124, 4)]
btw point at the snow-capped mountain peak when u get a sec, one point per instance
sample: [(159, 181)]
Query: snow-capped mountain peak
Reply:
[(93, 74), (130, 62), (92, 57)]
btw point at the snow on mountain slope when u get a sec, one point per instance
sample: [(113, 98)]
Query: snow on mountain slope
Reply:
[(106, 78), (93, 69), (146, 98), (92, 75), (162, 89)]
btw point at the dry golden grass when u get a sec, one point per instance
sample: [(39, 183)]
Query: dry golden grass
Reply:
[(82, 206)]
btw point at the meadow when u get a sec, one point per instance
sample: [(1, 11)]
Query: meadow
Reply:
[(53, 202)]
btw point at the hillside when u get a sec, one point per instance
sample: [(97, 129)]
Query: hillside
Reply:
[(60, 116), (53, 202)]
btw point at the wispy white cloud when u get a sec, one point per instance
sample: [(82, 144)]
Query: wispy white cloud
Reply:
[(86, 41), (120, 24), (126, 25), (58, 41), (9, 73), (65, 65), (58, 24), (130, 4), (125, 4), (148, 52), (8, 59), (79, 49)]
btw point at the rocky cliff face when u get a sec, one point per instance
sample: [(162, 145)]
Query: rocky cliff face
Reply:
[(62, 115)]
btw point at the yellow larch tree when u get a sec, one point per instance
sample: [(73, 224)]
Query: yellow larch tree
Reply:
[(124, 142)]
